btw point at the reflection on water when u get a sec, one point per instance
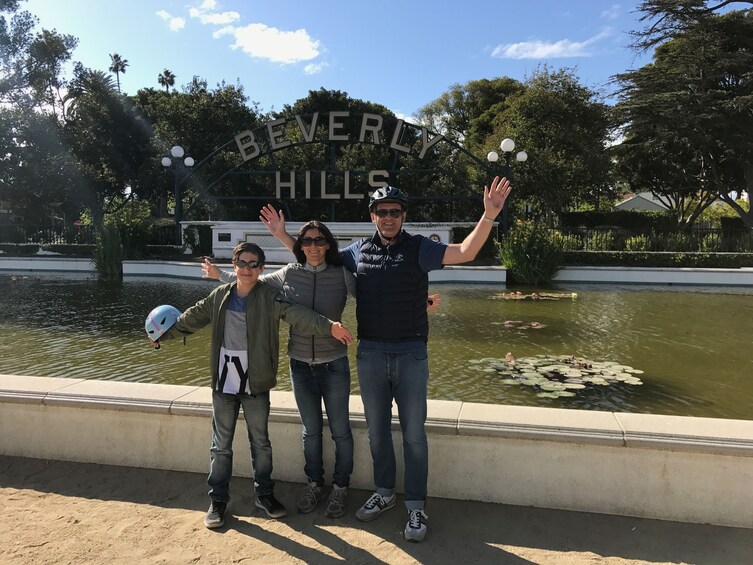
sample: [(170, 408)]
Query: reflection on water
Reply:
[(694, 344)]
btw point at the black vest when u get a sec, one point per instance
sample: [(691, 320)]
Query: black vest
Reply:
[(392, 291)]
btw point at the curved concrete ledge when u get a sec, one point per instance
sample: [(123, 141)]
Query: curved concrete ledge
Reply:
[(667, 467), (450, 274), (656, 275)]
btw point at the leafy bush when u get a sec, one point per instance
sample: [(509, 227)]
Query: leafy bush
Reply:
[(487, 253), (569, 241), (108, 254), (657, 259), (636, 220), (711, 242), (637, 243), (78, 250), (19, 249), (531, 253)]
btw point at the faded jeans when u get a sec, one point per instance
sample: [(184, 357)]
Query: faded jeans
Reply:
[(225, 408), (330, 382), (403, 376)]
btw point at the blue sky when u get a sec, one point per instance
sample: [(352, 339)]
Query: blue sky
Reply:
[(400, 53)]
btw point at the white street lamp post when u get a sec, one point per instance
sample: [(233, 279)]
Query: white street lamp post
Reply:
[(177, 166), (506, 147)]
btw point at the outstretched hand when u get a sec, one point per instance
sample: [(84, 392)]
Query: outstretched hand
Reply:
[(274, 220), (433, 303), (210, 270), (341, 333), (494, 197)]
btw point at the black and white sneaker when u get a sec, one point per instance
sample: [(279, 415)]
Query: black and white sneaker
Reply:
[(415, 529), (271, 506), (374, 506), (215, 517)]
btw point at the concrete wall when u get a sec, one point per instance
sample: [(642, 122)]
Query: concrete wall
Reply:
[(667, 467)]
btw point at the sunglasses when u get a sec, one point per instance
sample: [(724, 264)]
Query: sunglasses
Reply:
[(392, 213), (318, 241), (241, 264)]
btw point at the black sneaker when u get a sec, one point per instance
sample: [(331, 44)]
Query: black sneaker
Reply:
[(271, 506), (215, 517)]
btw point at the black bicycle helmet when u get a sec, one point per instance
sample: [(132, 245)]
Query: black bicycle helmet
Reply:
[(387, 194)]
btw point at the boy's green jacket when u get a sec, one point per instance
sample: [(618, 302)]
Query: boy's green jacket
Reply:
[(264, 308)]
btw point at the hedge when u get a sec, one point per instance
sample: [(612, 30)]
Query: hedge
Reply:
[(657, 259)]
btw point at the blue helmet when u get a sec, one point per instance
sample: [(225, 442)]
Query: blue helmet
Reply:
[(387, 194), (160, 320)]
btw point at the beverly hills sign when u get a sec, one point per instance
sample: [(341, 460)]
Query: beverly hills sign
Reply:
[(334, 127)]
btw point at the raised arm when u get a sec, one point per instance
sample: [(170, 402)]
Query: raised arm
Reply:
[(494, 200), (212, 271), (275, 222)]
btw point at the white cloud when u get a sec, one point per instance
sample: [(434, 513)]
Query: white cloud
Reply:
[(175, 23), (214, 18), (548, 50), (312, 69), (278, 46), (208, 5), (612, 13)]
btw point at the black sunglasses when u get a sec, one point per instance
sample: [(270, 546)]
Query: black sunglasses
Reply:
[(392, 213), (241, 264), (318, 241)]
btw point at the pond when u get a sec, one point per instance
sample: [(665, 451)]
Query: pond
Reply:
[(690, 347)]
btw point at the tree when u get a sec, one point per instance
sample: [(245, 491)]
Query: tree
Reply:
[(108, 140), (565, 129), (30, 64), (694, 103), (166, 79), (204, 121), (465, 112), (670, 18), (117, 65)]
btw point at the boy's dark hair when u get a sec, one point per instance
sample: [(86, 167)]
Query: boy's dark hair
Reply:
[(332, 255), (248, 247)]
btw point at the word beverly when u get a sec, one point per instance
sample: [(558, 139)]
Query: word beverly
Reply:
[(373, 124)]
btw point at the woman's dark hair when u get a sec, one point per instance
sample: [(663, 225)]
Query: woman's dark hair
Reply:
[(248, 247), (332, 256)]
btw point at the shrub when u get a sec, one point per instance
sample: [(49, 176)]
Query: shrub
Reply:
[(488, 252), (108, 254), (637, 243), (531, 253), (19, 249), (710, 242), (657, 259)]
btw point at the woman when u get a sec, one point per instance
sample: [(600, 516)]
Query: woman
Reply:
[(319, 367)]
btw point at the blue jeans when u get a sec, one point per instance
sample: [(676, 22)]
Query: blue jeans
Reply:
[(403, 376), (225, 408), (312, 384)]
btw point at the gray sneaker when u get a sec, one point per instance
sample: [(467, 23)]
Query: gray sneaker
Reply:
[(215, 517), (374, 506), (309, 497), (271, 506), (415, 529), (336, 503)]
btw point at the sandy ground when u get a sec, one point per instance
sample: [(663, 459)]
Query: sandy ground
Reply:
[(58, 512)]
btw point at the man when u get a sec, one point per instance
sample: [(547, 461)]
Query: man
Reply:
[(243, 355), (392, 285)]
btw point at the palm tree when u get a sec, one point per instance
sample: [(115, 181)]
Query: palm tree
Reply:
[(118, 65), (166, 79), (86, 82)]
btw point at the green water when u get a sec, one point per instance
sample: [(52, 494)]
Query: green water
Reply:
[(693, 344)]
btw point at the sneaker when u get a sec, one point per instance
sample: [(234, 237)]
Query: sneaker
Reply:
[(271, 506), (336, 503), (415, 529), (374, 506), (215, 517), (309, 498)]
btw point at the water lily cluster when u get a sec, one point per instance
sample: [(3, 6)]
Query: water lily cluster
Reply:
[(557, 376)]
